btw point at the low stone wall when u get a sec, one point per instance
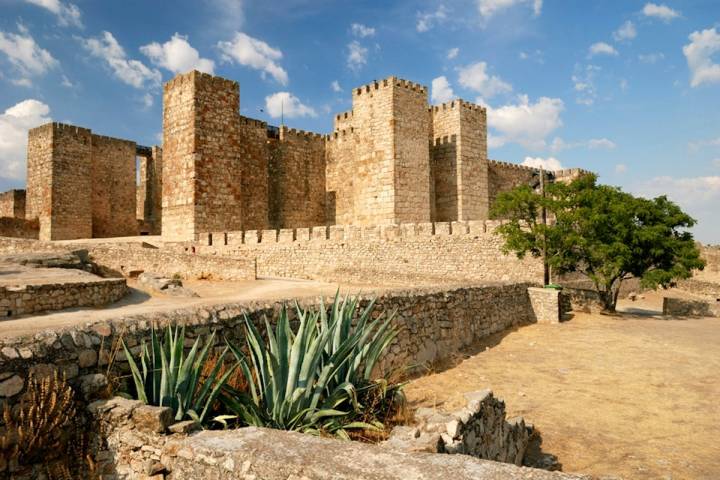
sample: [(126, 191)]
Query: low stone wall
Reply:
[(480, 429), (133, 446), (434, 325), (711, 254), (19, 228), (581, 300), (683, 307), (128, 259), (28, 299), (406, 254), (546, 304)]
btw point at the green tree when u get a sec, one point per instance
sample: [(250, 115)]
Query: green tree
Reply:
[(601, 232)]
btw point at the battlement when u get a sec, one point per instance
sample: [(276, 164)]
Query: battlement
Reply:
[(344, 115), (252, 122), (200, 77), (515, 166), (444, 140), (295, 133), (112, 139), (455, 104), (339, 134), (571, 172), (390, 81), (60, 127), (348, 233)]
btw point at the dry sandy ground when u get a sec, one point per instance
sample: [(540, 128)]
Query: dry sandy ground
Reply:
[(630, 396)]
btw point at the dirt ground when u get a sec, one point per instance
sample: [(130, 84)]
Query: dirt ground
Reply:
[(635, 396)]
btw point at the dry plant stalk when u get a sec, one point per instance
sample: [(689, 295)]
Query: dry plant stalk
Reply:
[(38, 428)]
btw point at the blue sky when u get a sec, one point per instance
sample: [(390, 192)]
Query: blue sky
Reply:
[(629, 89)]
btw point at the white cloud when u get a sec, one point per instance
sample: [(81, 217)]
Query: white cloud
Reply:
[(584, 84), (441, 90), (362, 31), (698, 196), (132, 72), (335, 85), (475, 77), (230, 14), (488, 8), (288, 105), (703, 45), (427, 20), (67, 13), (22, 82), (453, 53), (24, 54), (602, 48), (66, 82), (147, 101), (536, 56), (620, 168), (550, 163), (624, 85), (699, 144), (601, 143), (256, 54), (14, 125), (651, 57), (177, 55), (627, 31), (357, 55), (525, 123), (663, 12)]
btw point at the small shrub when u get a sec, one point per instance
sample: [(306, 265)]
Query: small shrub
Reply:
[(168, 377)]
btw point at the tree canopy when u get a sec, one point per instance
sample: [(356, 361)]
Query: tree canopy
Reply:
[(601, 232)]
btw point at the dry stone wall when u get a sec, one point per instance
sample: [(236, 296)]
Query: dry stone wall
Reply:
[(546, 304), (19, 228), (685, 307)]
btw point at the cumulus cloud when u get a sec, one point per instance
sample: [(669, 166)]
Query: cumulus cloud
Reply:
[(335, 85), (550, 163), (663, 12), (584, 84), (489, 8), (131, 72), (601, 48), (14, 125), (67, 14), (699, 196), (703, 45), (601, 143), (525, 123), (362, 31), (453, 53), (427, 20), (288, 105), (177, 55), (441, 90), (627, 31), (651, 57), (357, 55), (25, 55), (254, 53), (475, 77)]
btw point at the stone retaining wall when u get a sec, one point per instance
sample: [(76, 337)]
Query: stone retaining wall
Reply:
[(434, 325), (683, 307), (134, 446), (700, 287), (546, 304), (28, 299), (581, 300)]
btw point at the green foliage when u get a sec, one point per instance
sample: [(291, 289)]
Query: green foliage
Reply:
[(168, 377), (310, 379), (602, 232)]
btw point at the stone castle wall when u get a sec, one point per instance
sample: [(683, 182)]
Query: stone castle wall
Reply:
[(504, 176), (113, 187), (255, 157), (149, 191), (12, 204), (419, 254), (19, 228)]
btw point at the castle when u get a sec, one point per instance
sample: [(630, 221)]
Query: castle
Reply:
[(391, 159)]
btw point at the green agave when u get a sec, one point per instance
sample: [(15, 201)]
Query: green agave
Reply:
[(168, 377), (308, 380)]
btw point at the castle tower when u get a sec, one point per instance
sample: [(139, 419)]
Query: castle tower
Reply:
[(59, 183), (378, 165), (458, 147), (201, 156)]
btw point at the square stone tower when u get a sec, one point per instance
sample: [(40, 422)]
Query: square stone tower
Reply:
[(201, 156), (59, 183), (378, 166), (458, 147)]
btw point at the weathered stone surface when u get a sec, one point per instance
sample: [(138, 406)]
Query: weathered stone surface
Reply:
[(92, 385), (152, 419), (12, 386)]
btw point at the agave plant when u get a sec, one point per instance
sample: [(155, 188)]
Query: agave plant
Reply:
[(308, 380), (168, 377)]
